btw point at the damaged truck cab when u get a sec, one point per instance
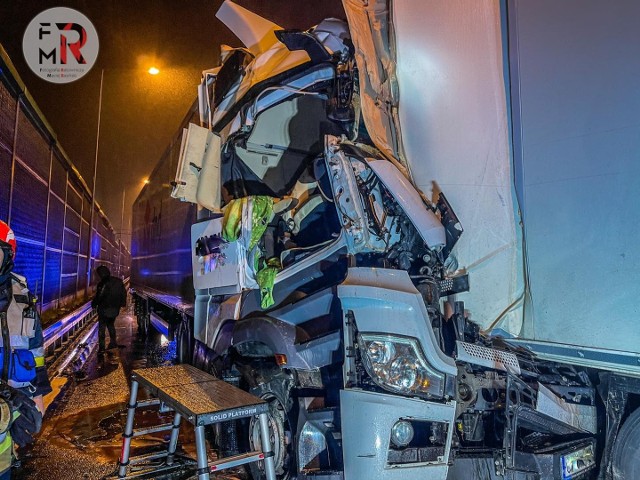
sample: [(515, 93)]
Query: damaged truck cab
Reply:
[(327, 284)]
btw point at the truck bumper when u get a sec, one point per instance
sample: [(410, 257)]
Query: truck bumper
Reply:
[(367, 420)]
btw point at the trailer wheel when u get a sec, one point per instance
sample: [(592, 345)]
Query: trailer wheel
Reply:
[(143, 324), (626, 451), (184, 350)]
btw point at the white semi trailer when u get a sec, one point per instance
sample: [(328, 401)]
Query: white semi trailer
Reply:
[(333, 277)]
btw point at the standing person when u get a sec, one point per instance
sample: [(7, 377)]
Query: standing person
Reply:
[(24, 377), (110, 297)]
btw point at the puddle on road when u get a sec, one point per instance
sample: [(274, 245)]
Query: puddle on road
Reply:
[(98, 431), (104, 424)]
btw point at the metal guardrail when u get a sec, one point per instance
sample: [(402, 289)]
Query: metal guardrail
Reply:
[(60, 332), (61, 336), (61, 342)]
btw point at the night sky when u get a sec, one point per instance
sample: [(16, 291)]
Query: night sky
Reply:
[(140, 112)]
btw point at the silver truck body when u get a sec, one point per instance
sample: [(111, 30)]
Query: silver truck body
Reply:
[(354, 135)]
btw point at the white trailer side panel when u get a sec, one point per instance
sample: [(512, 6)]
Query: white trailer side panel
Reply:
[(455, 133), (576, 98)]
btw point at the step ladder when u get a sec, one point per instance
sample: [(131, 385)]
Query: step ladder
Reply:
[(200, 399)]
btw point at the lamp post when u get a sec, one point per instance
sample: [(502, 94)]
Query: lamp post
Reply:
[(124, 192), (93, 188)]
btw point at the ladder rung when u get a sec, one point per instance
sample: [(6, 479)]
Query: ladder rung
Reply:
[(158, 428), (148, 456), (236, 460), (147, 403)]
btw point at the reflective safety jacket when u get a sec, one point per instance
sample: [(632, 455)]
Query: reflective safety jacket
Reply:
[(5, 451), (246, 219), (6, 446), (25, 330)]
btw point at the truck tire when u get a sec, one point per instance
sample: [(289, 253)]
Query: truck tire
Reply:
[(625, 464), (280, 428)]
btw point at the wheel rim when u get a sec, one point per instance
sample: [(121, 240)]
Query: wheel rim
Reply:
[(279, 435)]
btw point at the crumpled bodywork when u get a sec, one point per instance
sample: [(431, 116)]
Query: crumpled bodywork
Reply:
[(433, 97), (265, 59), (355, 321), (371, 30)]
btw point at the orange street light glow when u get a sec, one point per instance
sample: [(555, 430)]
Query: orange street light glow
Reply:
[(154, 71)]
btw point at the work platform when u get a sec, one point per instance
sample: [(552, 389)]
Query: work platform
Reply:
[(200, 399)]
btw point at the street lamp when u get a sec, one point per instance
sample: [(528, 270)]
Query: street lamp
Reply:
[(151, 71)]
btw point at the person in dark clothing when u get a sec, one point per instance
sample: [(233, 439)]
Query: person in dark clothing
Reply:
[(110, 297)]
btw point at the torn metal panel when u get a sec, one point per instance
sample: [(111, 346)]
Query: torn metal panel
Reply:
[(580, 417), (255, 32), (431, 103), (369, 25)]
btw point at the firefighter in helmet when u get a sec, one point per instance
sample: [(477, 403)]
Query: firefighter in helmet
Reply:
[(23, 375)]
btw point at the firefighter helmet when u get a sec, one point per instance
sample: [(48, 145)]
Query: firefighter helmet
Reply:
[(7, 236), (7, 248)]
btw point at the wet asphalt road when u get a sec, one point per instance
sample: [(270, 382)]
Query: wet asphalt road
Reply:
[(81, 434)]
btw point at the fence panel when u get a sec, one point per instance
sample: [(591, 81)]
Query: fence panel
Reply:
[(47, 204), (5, 182), (31, 147)]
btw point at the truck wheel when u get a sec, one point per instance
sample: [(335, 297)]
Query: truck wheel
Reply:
[(280, 428), (626, 451)]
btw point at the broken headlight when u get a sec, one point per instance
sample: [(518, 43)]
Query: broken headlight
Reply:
[(398, 365)]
